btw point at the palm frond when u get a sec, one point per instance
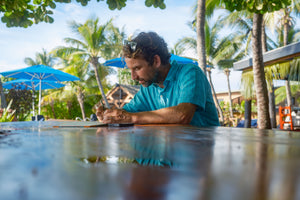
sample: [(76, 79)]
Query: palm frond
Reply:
[(247, 85), (294, 74), (76, 43)]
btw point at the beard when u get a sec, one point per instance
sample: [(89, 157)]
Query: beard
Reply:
[(154, 79)]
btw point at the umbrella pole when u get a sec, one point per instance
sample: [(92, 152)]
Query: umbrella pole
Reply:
[(33, 112), (40, 96)]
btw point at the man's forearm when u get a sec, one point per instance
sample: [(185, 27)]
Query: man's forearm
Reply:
[(180, 114)]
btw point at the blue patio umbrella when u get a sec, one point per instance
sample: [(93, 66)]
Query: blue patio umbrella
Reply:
[(26, 84), (116, 62), (120, 62), (183, 60), (40, 73)]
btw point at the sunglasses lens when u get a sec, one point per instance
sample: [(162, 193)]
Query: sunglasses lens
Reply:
[(131, 44)]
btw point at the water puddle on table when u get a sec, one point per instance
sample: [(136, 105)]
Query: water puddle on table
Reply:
[(94, 160)]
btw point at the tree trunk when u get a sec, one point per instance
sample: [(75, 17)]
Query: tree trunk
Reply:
[(259, 75), (227, 73), (69, 107), (247, 113), (272, 107), (52, 108), (80, 99), (286, 26), (200, 23), (215, 98), (3, 103), (264, 38), (288, 93), (286, 29), (95, 63)]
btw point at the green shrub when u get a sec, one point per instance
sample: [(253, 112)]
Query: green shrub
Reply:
[(7, 113)]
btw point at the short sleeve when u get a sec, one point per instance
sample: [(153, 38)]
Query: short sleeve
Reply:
[(193, 86), (138, 103)]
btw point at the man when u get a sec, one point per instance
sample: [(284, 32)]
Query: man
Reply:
[(171, 93)]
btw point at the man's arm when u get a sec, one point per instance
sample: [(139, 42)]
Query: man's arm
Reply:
[(180, 114)]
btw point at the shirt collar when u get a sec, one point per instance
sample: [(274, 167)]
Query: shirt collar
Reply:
[(172, 71)]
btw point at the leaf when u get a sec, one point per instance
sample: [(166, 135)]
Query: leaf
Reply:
[(148, 3), (52, 5), (259, 4), (162, 6), (7, 115), (256, 6), (37, 2)]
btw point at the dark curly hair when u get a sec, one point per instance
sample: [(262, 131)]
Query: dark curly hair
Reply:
[(146, 46)]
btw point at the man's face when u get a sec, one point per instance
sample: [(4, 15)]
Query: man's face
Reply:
[(141, 71)]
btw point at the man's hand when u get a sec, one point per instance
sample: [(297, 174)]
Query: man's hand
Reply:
[(180, 114), (114, 116)]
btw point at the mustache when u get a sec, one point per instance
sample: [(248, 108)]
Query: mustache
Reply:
[(140, 80)]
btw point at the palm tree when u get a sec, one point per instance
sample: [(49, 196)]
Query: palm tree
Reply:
[(229, 51), (93, 44), (243, 21), (204, 9), (215, 95), (115, 37), (79, 68), (179, 48), (283, 23), (248, 92), (43, 58), (259, 78), (284, 71), (124, 77), (287, 20), (200, 29), (288, 71), (281, 93), (284, 39), (258, 71)]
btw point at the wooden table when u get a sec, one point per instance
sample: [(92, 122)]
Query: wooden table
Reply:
[(38, 161)]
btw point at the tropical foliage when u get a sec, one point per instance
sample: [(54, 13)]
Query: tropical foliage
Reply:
[(92, 45), (124, 77), (20, 13), (280, 93), (7, 114), (255, 6), (21, 102), (43, 58), (259, 8)]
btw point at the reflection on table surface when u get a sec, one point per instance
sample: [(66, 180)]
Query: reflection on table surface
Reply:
[(38, 161)]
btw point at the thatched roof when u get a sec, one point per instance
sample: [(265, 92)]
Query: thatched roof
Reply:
[(121, 94)]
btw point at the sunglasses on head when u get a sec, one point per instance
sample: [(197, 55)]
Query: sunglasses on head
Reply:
[(132, 45)]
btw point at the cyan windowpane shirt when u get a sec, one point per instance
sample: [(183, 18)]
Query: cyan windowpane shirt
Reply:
[(185, 83)]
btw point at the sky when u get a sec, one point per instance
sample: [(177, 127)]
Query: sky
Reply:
[(171, 23)]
